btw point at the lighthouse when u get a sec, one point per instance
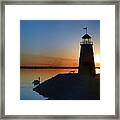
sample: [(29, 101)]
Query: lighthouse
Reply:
[(86, 59)]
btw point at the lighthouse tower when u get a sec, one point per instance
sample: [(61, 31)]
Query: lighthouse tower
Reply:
[(86, 60)]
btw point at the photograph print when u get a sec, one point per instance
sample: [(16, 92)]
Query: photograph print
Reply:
[(59, 60)]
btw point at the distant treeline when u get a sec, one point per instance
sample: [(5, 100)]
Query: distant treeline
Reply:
[(48, 67)]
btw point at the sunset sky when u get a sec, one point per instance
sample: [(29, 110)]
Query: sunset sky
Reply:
[(56, 42)]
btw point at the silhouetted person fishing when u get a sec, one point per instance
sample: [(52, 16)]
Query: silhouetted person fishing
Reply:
[(36, 82)]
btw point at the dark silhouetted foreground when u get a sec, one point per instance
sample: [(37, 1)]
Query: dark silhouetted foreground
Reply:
[(70, 87)]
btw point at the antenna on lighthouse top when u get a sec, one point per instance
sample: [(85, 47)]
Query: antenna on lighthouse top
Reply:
[(85, 29), (86, 39)]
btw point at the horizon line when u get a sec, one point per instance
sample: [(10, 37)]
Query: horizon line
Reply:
[(49, 67)]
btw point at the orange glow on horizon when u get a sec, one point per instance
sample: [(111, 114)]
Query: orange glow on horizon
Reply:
[(48, 61), (54, 61)]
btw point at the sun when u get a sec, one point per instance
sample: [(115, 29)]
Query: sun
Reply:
[(97, 59)]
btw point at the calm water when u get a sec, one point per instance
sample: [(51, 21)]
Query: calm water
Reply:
[(28, 75)]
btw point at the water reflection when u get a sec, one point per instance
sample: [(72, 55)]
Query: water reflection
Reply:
[(28, 75)]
